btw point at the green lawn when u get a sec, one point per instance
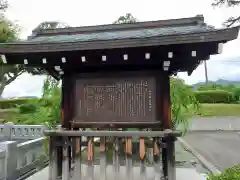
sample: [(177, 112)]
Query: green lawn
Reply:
[(6, 113), (220, 109)]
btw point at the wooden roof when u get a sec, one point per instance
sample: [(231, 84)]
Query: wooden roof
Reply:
[(152, 33), (179, 44)]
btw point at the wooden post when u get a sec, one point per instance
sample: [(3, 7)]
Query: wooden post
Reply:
[(67, 107), (168, 154), (53, 166)]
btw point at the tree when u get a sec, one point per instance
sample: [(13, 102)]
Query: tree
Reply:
[(128, 18), (229, 3), (50, 25), (8, 33), (183, 104), (3, 5)]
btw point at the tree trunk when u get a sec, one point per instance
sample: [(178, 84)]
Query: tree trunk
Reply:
[(2, 87), (4, 82)]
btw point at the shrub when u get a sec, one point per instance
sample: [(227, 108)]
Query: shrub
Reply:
[(215, 96), (183, 102), (27, 108), (13, 103), (46, 110), (236, 92), (232, 173), (206, 87)]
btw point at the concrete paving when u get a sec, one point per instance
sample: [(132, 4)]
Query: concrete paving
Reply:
[(215, 123), (221, 148), (181, 173), (187, 166)]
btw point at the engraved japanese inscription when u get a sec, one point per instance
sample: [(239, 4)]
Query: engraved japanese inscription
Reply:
[(115, 99)]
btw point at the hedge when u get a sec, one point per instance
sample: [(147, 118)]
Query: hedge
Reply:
[(215, 96), (232, 173), (13, 103)]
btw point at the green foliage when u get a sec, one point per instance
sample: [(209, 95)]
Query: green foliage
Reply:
[(215, 96), (183, 102), (42, 112), (9, 32), (232, 173), (236, 92), (27, 108), (216, 87), (14, 103), (128, 18), (227, 87), (50, 25)]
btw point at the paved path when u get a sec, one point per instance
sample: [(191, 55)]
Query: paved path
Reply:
[(215, 123), (222, 149), (187, 166), (181, 173)]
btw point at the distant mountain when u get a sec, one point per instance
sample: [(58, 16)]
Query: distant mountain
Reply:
[(220, 81), (25, 97)]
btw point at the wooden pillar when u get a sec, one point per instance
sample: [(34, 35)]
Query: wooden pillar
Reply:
[(168, 154), (67, 104)]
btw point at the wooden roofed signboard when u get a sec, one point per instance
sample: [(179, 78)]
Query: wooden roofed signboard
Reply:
[(118, 71)]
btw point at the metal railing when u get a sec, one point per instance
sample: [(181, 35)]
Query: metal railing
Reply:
[(117, 155)]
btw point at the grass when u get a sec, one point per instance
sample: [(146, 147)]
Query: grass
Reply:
[(220, 109), (6, 113)]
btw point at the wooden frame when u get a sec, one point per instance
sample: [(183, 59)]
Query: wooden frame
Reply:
[(125, 122), (69, 97)]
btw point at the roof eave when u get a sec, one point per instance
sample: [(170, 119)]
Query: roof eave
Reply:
[(222, 35)]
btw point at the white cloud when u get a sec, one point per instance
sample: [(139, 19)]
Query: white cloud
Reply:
[(29, 13), (25, 85)]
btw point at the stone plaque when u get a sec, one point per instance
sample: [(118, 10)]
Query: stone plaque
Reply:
[(116, 99)]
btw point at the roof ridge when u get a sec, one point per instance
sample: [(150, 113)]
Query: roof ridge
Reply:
[(199, 19)]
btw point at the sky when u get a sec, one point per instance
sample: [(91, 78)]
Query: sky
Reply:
[(30, 13)]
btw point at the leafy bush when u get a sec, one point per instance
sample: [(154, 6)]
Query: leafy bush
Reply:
[(215, 96), (27, 108), (183, 102), (232, 173), (205, 87), (236, 92), (13, 103), (45, 110)]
